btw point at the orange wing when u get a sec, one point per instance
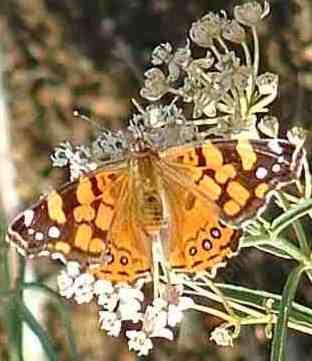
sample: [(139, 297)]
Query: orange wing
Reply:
[(198, 240), (235, 175), (217, 183), (85, 221)]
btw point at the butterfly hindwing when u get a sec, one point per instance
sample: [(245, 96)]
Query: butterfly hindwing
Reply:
[(129, 252), (198, 240)]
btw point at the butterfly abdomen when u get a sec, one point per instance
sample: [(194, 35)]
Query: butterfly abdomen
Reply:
[(148, 194), (151, 209)]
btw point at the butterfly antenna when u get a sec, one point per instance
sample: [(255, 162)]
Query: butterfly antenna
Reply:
[(95, 124)]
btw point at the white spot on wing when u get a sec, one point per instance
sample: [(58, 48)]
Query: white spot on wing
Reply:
[(276, 168), (54, 232), (261, 173), (216, 233), (28, 217)]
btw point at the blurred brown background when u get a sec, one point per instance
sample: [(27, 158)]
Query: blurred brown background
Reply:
[(59, 55)]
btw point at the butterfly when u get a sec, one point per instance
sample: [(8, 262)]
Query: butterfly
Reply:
[(197, 196)]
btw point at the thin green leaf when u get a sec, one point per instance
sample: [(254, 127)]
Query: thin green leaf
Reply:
[(299, 230), (281, 246), (280, 331), (13, 324), (287, 218), (39, 332), (274, 251), (257, 298)]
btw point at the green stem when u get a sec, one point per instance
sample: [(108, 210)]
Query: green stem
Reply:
[(14, 330), (280, 333), (223, 45), (39, 332), (63, 310), (287, 218), (12, 319), (256, 51), (250, 306), (256, 299), (247, 54), (298, 228)]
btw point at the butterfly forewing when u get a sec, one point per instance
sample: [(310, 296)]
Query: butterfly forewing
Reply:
[(64, 220), (237, 175), (81, 221)]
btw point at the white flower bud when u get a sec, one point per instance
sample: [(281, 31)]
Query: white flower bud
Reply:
[(206, 29), (234, 32), (269, 126), (267, 83), (222, 336), (251, 13)]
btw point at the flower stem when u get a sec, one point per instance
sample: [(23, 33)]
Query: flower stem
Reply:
[(280, 333)]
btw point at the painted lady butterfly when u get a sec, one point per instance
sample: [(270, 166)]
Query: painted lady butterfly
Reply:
[(197, 196)]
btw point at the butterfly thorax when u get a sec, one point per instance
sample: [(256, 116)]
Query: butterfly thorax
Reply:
[(147, 190)]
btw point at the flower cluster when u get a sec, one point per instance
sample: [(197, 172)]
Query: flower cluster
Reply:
[(125, 304), (225, 89), (73, 283), (77, 158), (119, 303)]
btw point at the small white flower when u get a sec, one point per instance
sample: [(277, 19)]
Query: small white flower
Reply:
[(140, 342), (269, 126), (130, 311), (162, 54), (155, 322), (110, 323), (127, 293), (65, 285), (175, 315), (160, 303), (155, 85), (73, 269), (84, 280), (103, 286), (78, 158), (208, 28), (267, 83), (251, 13), (297, 135), (108, 301), (107, 296), (176, 304), (222, 336), (130, 303), (84, 288), (175, 312)]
